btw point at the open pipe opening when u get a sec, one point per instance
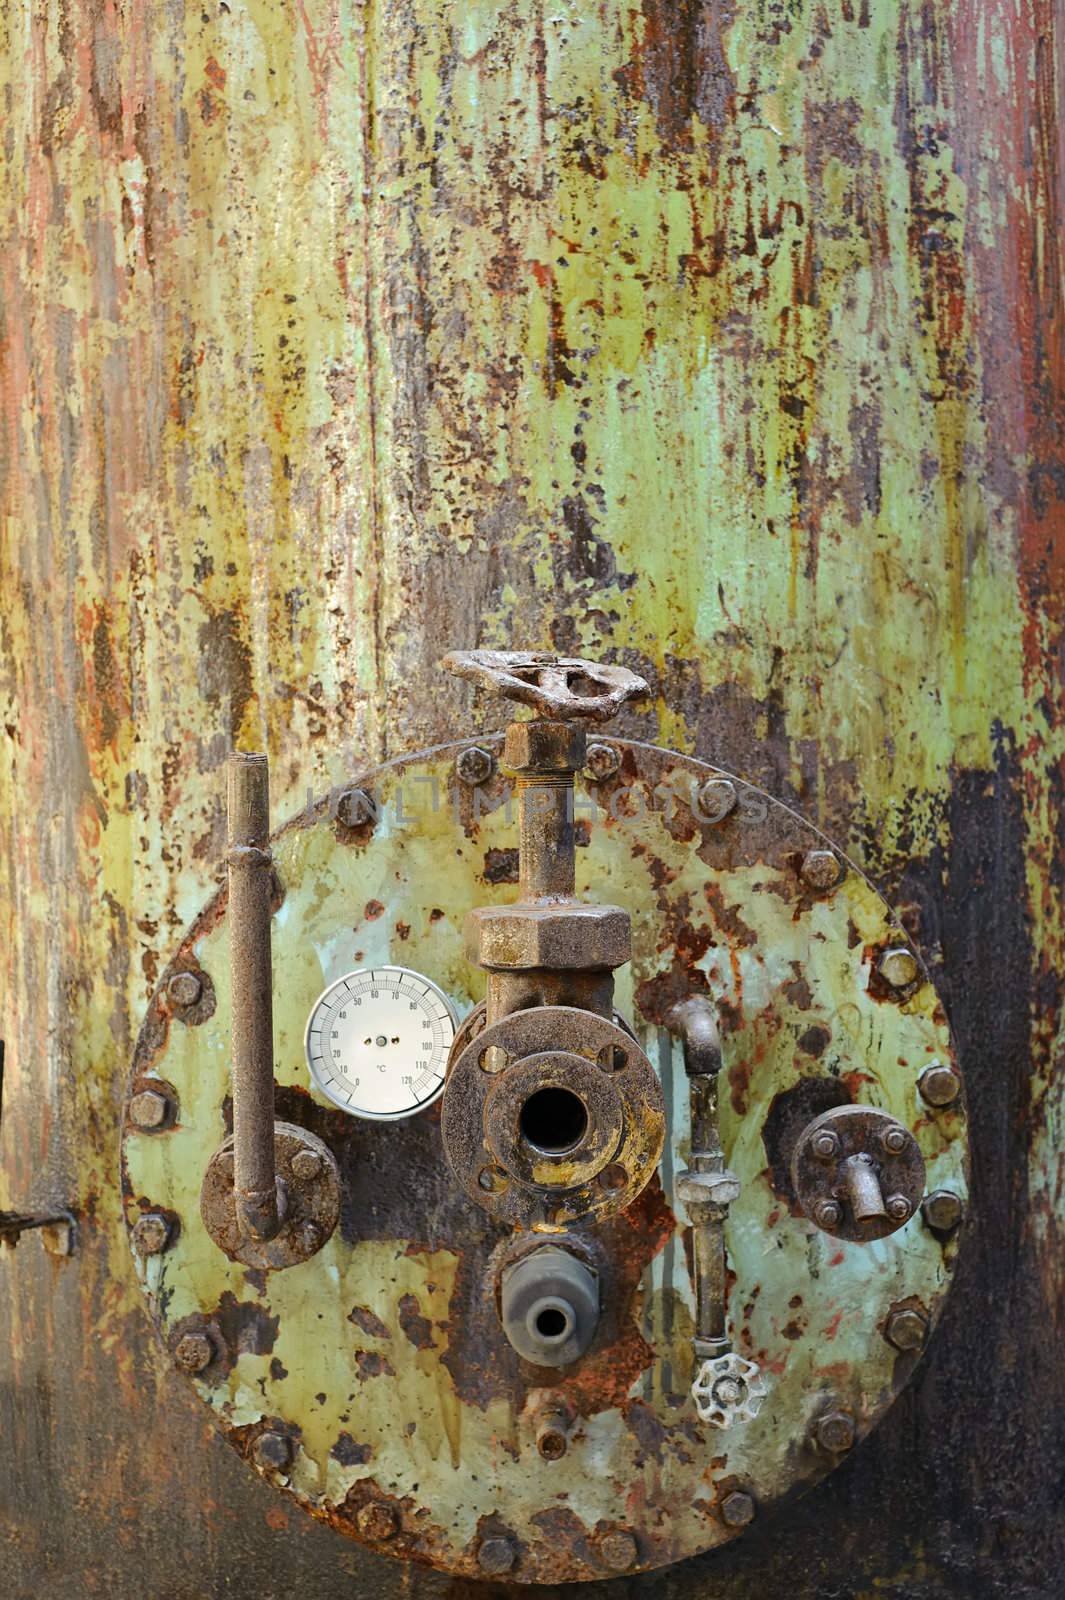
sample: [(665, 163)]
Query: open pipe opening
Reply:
[(554, 1120)]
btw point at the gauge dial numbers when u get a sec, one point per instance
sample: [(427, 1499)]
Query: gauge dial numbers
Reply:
[(378, 1041)]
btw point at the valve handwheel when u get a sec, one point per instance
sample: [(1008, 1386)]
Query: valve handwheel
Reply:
[(555, 686)]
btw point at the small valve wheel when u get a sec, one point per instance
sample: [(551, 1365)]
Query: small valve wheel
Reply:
[(728, 1389), (555, 686)]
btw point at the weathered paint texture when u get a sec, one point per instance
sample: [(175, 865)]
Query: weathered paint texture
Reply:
[(725, 339)]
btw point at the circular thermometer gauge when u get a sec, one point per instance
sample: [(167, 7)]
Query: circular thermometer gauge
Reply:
[(378, 1042)]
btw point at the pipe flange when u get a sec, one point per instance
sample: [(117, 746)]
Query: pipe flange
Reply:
[(858, 1173), (552, 1114), (308, 1191)]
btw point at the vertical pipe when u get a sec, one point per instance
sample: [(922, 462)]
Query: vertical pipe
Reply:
[(545, 832), (250, 892)]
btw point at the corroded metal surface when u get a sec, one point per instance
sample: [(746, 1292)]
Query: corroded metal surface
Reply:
[(728, 340), (383, 1360)]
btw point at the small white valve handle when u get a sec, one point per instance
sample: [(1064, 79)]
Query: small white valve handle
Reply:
[(728, 1389)]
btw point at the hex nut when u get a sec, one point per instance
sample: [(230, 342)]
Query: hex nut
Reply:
[(602, 762), (894, 1140), (942, 1210), (898, 967), (898, 1207), (906, 1329), (496, 1555), (524, 936), (306, 1165), (184, 989), (375, 1520), (148, 1109), (618, 1550), (706, 1188), (821, 869), (272, 1451), (825, 1145), (829, 1214), (939, 1084), (150, 1233), (835, 1432), (716, 798), (737, 1509), (475, 765), (193, 1352), (355, 809), (544, 746)]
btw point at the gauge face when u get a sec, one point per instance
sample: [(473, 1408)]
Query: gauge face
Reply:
[(378, 1042)]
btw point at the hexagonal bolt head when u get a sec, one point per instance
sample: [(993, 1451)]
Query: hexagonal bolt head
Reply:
[(545, 746), (820, 869), (715, 799), (475, 766), (737, 1509), (148, 1109), (184, 989), (942, 1210), (825, 1145), (306, 1165), (150, 1234), (518, 937), (355, 809), (602, 762), (193, 1352), (618, 1550), (906, 1329), (272, 1451), (897, 1207), (828, 1214), (496, 1555), (898, 967), (377, 1521), (894, 1140), (939, 1084), (835, 1432)]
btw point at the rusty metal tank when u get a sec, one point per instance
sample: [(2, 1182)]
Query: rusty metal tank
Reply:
[(702, 360)]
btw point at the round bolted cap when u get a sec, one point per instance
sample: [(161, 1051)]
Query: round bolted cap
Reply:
[(898, 967), (820, 869), (835, 1431), (737, 1509), (151, 1233), (273, 1450), (496, 1555), (193, 1352), (184, 989), (618, 1550), (715, 800), (942, 1210), (602, 762), (906, 1329), (376, 1520), (475, 765), (148, 1109), (939, 1084)]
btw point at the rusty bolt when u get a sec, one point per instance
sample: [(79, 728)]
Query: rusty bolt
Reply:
[(737, 1509), (496, 1555), (272, 1451), (906, 1329), (475, 766), (355, 808), (151, 1233), (184, 989), (148, 1109), (306, 1165), (375, 1520), (602, 762), (825, 1144), (828, 1214), (618, 1550), (895, 1141), (941, 1210), (939, 1084), (835, 1432), (820, 869), (193, 1352), (898, 1207), (898, 967), (552, 1424), (716, 798)]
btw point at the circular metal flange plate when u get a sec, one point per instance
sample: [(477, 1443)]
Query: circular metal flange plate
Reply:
[(405, 1417), (862, 1135), (309, 1189)]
